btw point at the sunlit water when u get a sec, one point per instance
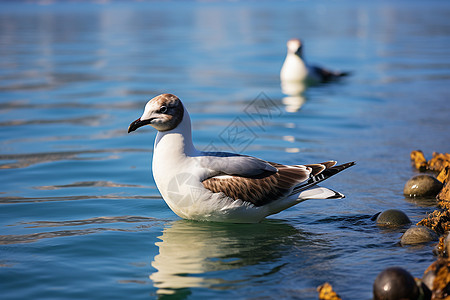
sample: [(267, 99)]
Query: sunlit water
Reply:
[(80, 215)]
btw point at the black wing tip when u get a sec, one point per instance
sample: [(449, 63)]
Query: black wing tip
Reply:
[(344, 166), (337, 195), (336, 169), (325, 174)]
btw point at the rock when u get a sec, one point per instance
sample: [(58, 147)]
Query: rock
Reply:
[(440, 249), (422, 186), (443, 247), (444, 194), (419, 161), (395, 283), (439, 221), (418, 235), (438, 161), (444, 175), (444, 197), (447, 244), (437, 278), (326, 292), (393, 217)]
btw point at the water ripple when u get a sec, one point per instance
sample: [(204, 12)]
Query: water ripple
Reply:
[(28, 159), (93, 120), (20, 104), (97, 220), (87, 184), (33, 237), (13, 200)]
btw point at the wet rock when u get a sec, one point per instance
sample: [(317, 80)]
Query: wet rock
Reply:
[(439, 161), (437, 278), (443, 247), (447, 244), (375, 216), (428, 279), (393, 217), (395, 283), (444, 195), (422, 186), (419, 161), (418, 235), (444, 175), (326, 292), (439, 221)]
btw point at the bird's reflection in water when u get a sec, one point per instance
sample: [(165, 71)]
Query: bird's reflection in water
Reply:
[(193, 254), (294, 91)]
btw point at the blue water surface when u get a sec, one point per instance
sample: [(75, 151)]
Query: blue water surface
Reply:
[(80, 214)]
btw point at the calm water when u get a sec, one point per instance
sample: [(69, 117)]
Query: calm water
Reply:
[(80, 215)]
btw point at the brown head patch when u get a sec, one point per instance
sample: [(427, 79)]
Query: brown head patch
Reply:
[(170, 112)]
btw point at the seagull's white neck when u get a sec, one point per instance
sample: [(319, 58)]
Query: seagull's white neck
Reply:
[(295, 54), (177, 141)]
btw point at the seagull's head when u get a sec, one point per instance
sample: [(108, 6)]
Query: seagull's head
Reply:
[(164, 112), (295, 46)]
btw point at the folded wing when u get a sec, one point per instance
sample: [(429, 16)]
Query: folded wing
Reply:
[(267, 187)]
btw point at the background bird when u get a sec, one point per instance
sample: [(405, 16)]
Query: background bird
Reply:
[(295, 67)]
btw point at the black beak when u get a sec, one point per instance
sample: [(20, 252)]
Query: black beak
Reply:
[(138, 123)]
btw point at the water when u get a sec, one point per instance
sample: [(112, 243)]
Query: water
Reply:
[(81, 217)]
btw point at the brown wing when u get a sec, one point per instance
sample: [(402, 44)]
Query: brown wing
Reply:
[(263, 188)]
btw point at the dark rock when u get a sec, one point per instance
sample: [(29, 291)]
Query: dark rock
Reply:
[(395, 283), (437, 278), (422, 186), (375, 216), (393, 217)]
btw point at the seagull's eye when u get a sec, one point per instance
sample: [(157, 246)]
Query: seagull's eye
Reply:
[(163, 109)]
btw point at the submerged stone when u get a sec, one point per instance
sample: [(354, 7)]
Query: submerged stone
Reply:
[(418, 235), (393, 217), (422, 186)]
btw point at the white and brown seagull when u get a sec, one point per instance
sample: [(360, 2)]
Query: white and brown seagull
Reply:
[(220, 186), (295, 68)]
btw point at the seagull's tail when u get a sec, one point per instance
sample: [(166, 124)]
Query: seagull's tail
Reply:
[(318, 192), (314, 180), (343, 74)]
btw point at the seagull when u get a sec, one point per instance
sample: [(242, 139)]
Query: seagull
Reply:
[(221, 186), (295, 68)]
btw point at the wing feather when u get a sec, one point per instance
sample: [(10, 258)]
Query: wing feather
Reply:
[(221, 163), (260, 189), (267, 187)]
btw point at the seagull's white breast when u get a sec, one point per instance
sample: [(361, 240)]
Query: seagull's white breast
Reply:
[(179, 175), (293, 69)]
